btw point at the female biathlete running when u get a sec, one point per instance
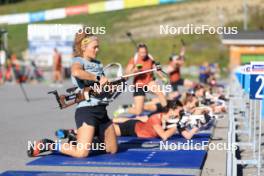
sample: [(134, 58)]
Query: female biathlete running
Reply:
[(91, 118), (143, 83)]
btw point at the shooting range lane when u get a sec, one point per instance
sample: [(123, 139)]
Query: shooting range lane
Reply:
[(138, 152), (49, 119)]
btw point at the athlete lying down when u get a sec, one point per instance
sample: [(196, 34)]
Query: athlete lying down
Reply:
[(153, 126), (159, 124), (197, 97)]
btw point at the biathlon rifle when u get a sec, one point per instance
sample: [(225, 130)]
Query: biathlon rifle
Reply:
[(75, 95)]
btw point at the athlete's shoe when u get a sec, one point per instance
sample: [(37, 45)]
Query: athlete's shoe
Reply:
[(66, 134), (39, 147)]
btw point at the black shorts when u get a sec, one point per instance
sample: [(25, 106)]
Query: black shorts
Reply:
[(176, 84), (138, 91), (95, 116), (159, 107), (128, 128)]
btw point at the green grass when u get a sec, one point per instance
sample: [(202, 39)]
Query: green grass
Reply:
[(17, 38), (255, 22), (160, 48), (199, 48)]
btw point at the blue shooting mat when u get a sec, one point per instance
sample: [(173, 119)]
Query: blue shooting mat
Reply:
[(135, 143), (49, 173), (138, 152), (184, 159)]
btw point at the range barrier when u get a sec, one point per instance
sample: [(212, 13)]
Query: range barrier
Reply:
[(245, 110)]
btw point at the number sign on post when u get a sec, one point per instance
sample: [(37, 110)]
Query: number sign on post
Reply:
[(256, 86), (257, 80)]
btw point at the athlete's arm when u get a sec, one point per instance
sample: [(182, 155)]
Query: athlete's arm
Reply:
[(182, 52), (129, 69), (55, 60), (164, 135), (180, 61), (78, 72), (159, 73), (188, 134)]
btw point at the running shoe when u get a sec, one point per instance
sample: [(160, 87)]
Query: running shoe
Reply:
[(39, 147), (64, 133)]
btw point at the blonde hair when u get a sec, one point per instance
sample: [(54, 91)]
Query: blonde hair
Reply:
[(79, 36)]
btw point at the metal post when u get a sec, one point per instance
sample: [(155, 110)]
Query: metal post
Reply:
[(250, 121), (229, 152), (246, 118), (233, 142), (259, 139), (254, 128)]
